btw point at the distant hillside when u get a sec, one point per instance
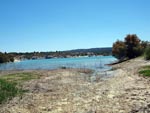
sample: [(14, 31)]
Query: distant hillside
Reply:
[(94, 50), (63, 54)]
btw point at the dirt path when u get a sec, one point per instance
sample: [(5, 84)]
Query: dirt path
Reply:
[(72, 91)]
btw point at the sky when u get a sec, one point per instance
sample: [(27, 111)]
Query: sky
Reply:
[(56, 25)]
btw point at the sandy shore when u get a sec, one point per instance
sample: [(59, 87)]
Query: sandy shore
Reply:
[(75, 91)]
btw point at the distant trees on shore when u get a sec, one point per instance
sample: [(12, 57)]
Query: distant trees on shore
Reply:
[(64, 54), (4, 57), (9, 57), (130, 48)]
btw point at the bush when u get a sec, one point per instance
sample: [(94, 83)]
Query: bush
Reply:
[(145, 71), (147, 53)]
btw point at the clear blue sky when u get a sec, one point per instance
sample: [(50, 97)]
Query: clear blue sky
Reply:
[(50, 25)]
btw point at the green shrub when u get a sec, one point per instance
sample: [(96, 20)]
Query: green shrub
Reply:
[(147, 53), (145, 71)]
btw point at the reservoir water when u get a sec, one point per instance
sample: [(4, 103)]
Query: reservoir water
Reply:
[(95, 62)]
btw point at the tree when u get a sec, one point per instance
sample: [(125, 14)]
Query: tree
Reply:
[(119, 49), (132, 43), (131, 47), (144, 44), (4, 57)]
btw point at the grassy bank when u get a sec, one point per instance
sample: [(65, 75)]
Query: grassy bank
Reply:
[(145, 71), (10, 85)]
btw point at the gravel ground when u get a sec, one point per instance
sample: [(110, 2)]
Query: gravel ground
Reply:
[(78, 91)]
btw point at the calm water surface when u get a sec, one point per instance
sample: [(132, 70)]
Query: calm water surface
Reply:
[(95, 62)]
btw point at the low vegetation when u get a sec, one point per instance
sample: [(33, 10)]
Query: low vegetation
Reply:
[(8, 90), (113, 68), (145, 71), (147, 53), (10, 85), (20, 77)]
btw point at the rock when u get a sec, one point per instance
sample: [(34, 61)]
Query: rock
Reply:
[(110, 96)]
